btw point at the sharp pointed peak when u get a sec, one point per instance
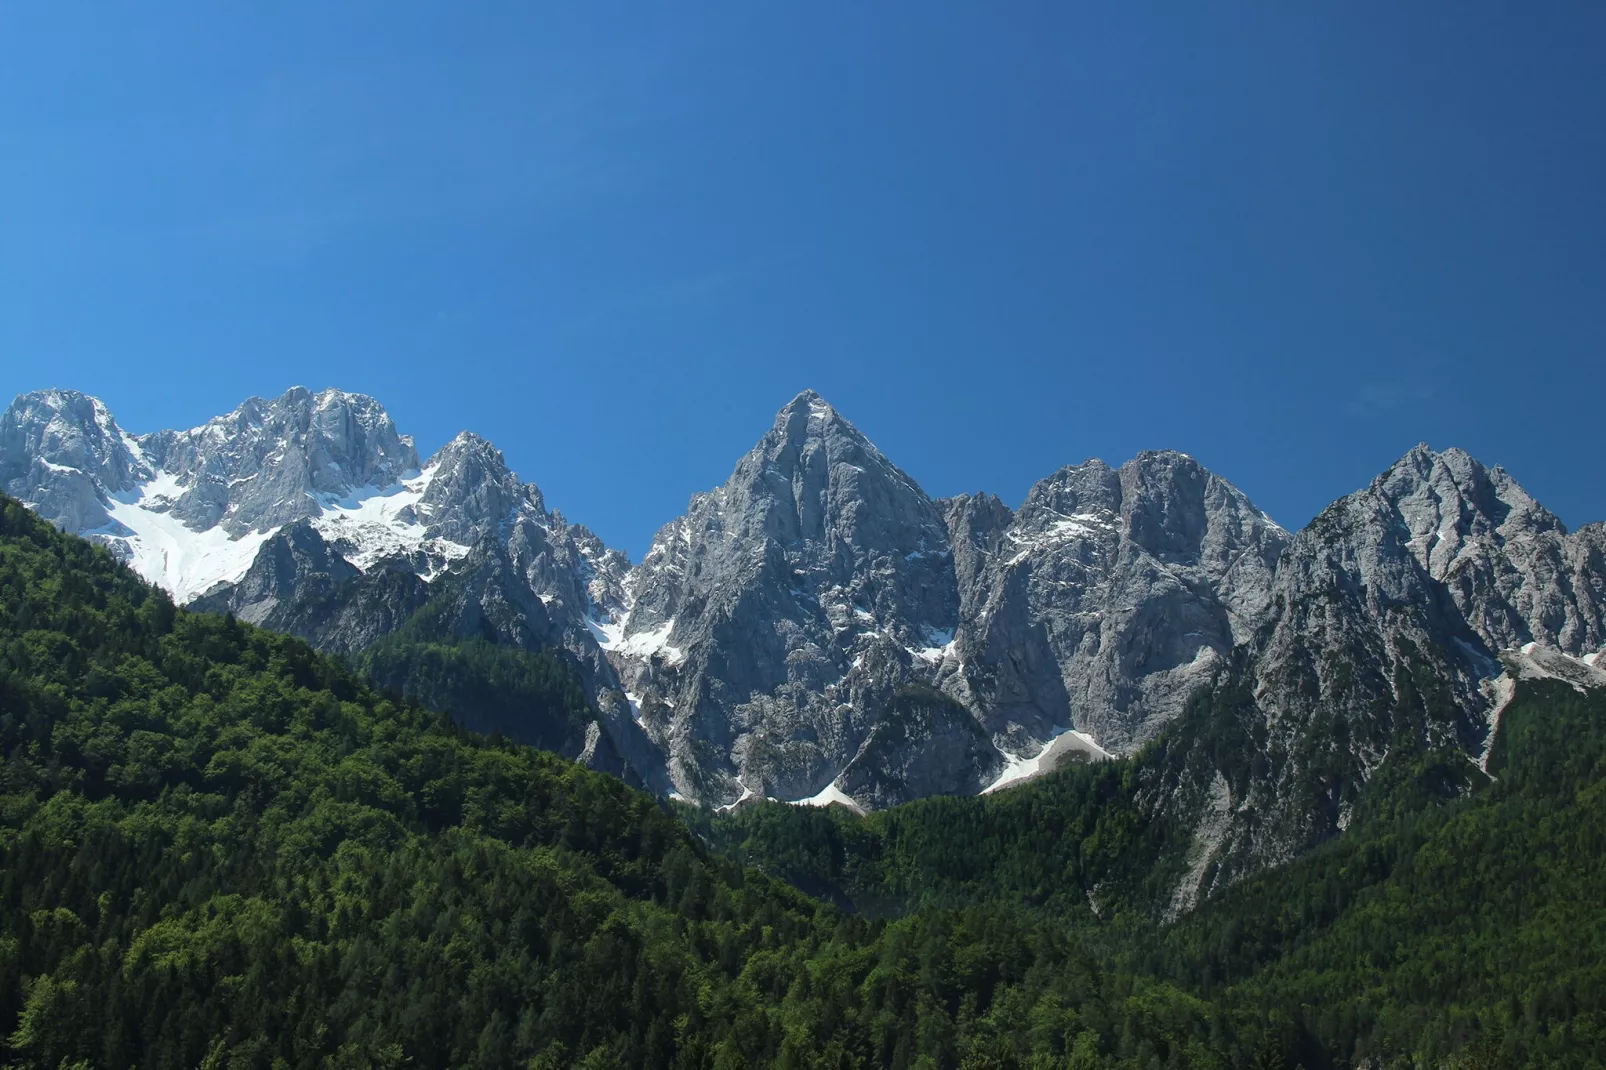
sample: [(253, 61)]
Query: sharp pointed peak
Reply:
[(808, 414), (1424, 458), (469, 442), (808, 401)]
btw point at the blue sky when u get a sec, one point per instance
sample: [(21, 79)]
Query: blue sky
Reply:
[(1292, 240)]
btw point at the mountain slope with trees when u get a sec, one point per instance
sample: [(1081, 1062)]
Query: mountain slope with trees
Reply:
[(219, 848)]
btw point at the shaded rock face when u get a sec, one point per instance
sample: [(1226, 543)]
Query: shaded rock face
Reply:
[(920, 738), (299, 585), (1388, 615), (1108, 598)]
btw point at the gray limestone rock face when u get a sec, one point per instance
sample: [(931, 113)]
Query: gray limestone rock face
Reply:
[(918, 741), (301, 586), (1514, 571), (1107, 598), (63, 455), (1391, 616), (785, 607), (268, 462)]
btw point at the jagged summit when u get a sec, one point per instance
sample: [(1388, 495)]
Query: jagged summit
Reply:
[(190, 509), (63, 454), (1451, 490), (806, 399), (770, 641), (809, 417)]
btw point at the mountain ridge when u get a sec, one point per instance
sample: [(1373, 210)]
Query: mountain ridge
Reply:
[(767, 634)]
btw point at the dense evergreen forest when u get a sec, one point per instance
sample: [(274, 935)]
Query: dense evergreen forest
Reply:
[(532, 697), (1466, 932), (218, 848)]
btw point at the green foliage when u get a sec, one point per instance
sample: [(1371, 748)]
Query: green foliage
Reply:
[(529, 697), (218, 848), (1473, 927), (1458, 921), (1049, 845)]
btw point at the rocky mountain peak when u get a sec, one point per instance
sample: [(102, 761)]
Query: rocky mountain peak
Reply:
[(269, 462), (814, 477), (1107, 598), (785, 606), (1448, 500), (472, 492), (63, 453)]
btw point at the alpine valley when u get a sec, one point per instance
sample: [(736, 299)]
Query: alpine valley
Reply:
[(818, 629)]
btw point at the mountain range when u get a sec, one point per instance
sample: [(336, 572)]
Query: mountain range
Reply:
[(819, 629)]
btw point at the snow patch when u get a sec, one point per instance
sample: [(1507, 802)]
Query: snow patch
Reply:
[(830, 795), (1020, 767), (166, 552), (1091, 745), (1066, 527), (747, 793), (1081, 524), (605, 632), (611, 637), (379, 523), (939, 644), (370, 524)]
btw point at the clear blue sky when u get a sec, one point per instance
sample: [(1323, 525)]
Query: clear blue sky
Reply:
[(1290, 239)]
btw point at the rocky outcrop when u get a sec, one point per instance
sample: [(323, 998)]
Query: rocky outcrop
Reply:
[(63, 455), (1393, 616), (298, 585), (268, 463), (919, 739), (1107, 599)]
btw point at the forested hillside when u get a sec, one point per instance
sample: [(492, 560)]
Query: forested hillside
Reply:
[(218, 848), (1458, 921)]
